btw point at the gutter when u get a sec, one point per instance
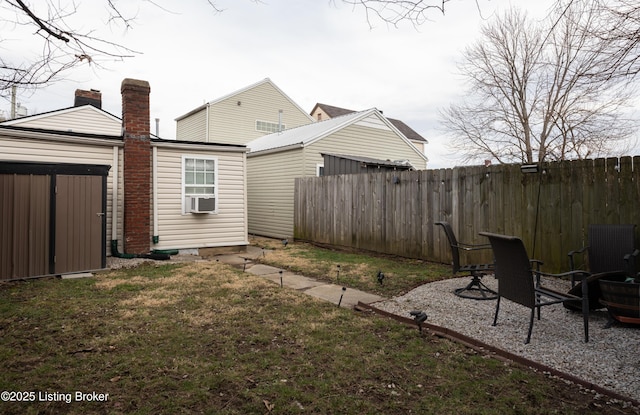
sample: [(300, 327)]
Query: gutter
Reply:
[(275, 150)]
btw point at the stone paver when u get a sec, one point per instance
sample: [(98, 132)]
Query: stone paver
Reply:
[(329, 292)]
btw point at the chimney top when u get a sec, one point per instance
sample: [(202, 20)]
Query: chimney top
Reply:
[(91, 97)]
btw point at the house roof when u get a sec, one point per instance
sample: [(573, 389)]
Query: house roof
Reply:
[(21, 120), (247, 88), (332, 112), (308, 134)]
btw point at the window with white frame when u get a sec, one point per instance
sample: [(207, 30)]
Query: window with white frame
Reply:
[(269, 127), (200, 184), (319, 170)]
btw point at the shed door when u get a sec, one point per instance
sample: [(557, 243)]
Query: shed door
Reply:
[(24, 225), (79, 217)]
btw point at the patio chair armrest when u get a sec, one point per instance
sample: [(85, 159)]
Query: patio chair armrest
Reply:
[(574, 252), (630, 260), (470, 247), (537, 263), (634, 254), (577, 274)]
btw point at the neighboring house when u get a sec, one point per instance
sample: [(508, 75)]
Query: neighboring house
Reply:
[(275, 160), (321, 112), (70, 191), (244, 115), (86, 116)]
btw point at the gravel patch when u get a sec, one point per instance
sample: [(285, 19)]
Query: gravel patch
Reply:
[(611, 359), (118, 263)]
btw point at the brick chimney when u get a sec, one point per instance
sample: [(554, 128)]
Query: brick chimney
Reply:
[(91, 97), (137, 166)]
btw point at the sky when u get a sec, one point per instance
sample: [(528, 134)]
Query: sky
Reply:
[(314, 51)]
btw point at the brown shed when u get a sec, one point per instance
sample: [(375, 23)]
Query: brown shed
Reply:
[(52, 218)]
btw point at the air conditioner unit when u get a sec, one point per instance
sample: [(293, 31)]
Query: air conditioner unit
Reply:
[(200, 204)]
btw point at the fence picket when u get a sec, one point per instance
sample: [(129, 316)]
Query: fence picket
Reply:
[(395, 212)]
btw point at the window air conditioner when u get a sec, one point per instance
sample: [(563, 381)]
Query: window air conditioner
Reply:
[(201, 204)]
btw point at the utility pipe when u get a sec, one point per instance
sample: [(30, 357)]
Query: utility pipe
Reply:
[(114, 197), (154, 173)]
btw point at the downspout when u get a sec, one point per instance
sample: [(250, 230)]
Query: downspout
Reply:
[(114, 195), (114, 218), (114, 208), (206, 137), (154, 190)]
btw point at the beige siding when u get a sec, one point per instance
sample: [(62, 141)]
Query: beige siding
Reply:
[(236, 124), (227, 227), (85, 119), (270, 192), (232, 120), (46, 151), (271, 177), (193, 127), (362, 140), (319, 115)]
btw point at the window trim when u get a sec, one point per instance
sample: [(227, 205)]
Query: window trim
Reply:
[(283, 127), (318, 167), (183, 183)]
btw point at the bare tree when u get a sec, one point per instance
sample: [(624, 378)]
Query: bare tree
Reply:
[(61, 46), (618, 31), (415, 11), (530, 97)]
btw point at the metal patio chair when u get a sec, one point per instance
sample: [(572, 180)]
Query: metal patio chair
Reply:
[(475, 289), (611, 251), (519, 281), (611, 248)]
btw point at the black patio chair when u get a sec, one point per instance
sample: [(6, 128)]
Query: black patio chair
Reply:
[(519, 281), (611, 251), (611, 248), (475, 289)]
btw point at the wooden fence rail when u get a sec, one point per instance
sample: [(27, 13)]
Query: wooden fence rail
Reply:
[(395, 212)]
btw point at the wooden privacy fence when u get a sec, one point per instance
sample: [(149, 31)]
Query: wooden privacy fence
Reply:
[(395, 212)]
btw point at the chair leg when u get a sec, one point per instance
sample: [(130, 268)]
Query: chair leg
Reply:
[(585, 309), (531, 324), (495, 317)]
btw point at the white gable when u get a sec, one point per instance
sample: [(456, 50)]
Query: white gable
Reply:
[(83, 119)]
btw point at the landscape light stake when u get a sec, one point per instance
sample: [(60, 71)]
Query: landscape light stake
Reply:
[(338, 273), (262, 252), (244, 267), (280, 278), (341, 295), (380, 277), (419, 317)]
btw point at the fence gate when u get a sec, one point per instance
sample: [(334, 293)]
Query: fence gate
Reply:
[(51, 219)]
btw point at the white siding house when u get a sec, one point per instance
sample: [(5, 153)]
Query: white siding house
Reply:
[(274, 161), (242, 116), (62, 138), (83, 119), (176, 228)]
